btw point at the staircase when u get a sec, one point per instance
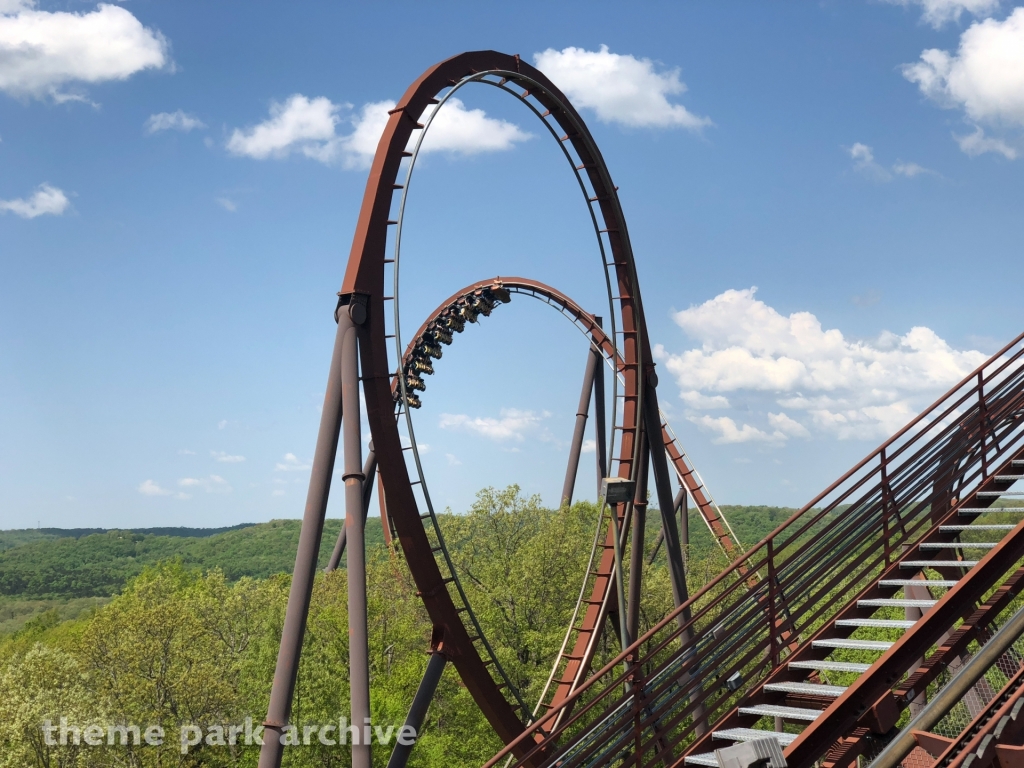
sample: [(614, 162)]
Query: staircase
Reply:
[(864, 598)]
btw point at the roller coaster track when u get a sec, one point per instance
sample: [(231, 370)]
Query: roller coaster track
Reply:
[(797, 640)]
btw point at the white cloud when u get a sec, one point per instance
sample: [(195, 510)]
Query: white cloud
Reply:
[(227, 204), (41, 52), (939, 12), (589, 446), (703, 402), (984, 78), (787, 426), (729, 432), (292, 463), (277, 492), (226, 458), (150, 488), (849, 388), (173, 121), (978, 143), (299, 124), (864, 162), (910, 170), (311, 127), (222, 423), (453, 460), (186, 452), (46, 200), (211, 484), (619, 88), (514, 424)]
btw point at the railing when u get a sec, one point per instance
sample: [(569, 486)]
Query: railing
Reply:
[(651, 702)]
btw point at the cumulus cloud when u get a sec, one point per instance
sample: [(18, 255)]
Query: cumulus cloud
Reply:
[(984, 78), (619, 88), (335, 133), (46, 200), (226, 458), (42, 52), (589, 446), (940, 12), (514, 424), (173, 121), (292, 463), (728, 431), (211, 484), (861, 389), (227, 204), (977, 143), (151, 488), (864, 163)]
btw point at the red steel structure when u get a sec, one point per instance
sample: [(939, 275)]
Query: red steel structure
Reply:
[(362, 361), (787, 643)]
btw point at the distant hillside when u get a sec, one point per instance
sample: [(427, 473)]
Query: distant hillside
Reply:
[(17, 537), (82, 564)]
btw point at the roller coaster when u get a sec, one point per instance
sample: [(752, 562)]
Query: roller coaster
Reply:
[(917, 543)]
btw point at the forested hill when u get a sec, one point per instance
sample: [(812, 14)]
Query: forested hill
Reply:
[(99, 564), (53, 563)]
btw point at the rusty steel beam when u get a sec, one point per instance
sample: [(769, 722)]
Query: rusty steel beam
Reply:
[(364, 277), (283, 687), (358, 635), (636, 554), (420, 703), (594, 359), (369, 470)]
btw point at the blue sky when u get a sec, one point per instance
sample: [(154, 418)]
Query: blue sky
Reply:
[(179, 184)]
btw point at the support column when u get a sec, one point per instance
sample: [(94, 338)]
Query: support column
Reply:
[(369, 470), (418, 710), (600, 436), (682, 503), (593, 360), (283, 687), (636, 554), (663, 486), (358, 648)]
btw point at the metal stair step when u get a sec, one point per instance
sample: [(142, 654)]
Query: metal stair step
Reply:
[(941, 583), (807, 689), (1009, 478), (776, 710), (708, 760), (895, 602), (915, 564), (749, 734), (859, 645), (877, 623), (831, 666), (997, 494), (959, 544), (972, 511), (985, 527)]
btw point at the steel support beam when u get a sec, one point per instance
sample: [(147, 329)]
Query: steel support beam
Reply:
[(594, 359), (600, 436), (636, 554), (663, 489), (283, 687), (355, 519), (418, 710), (369, 470)]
